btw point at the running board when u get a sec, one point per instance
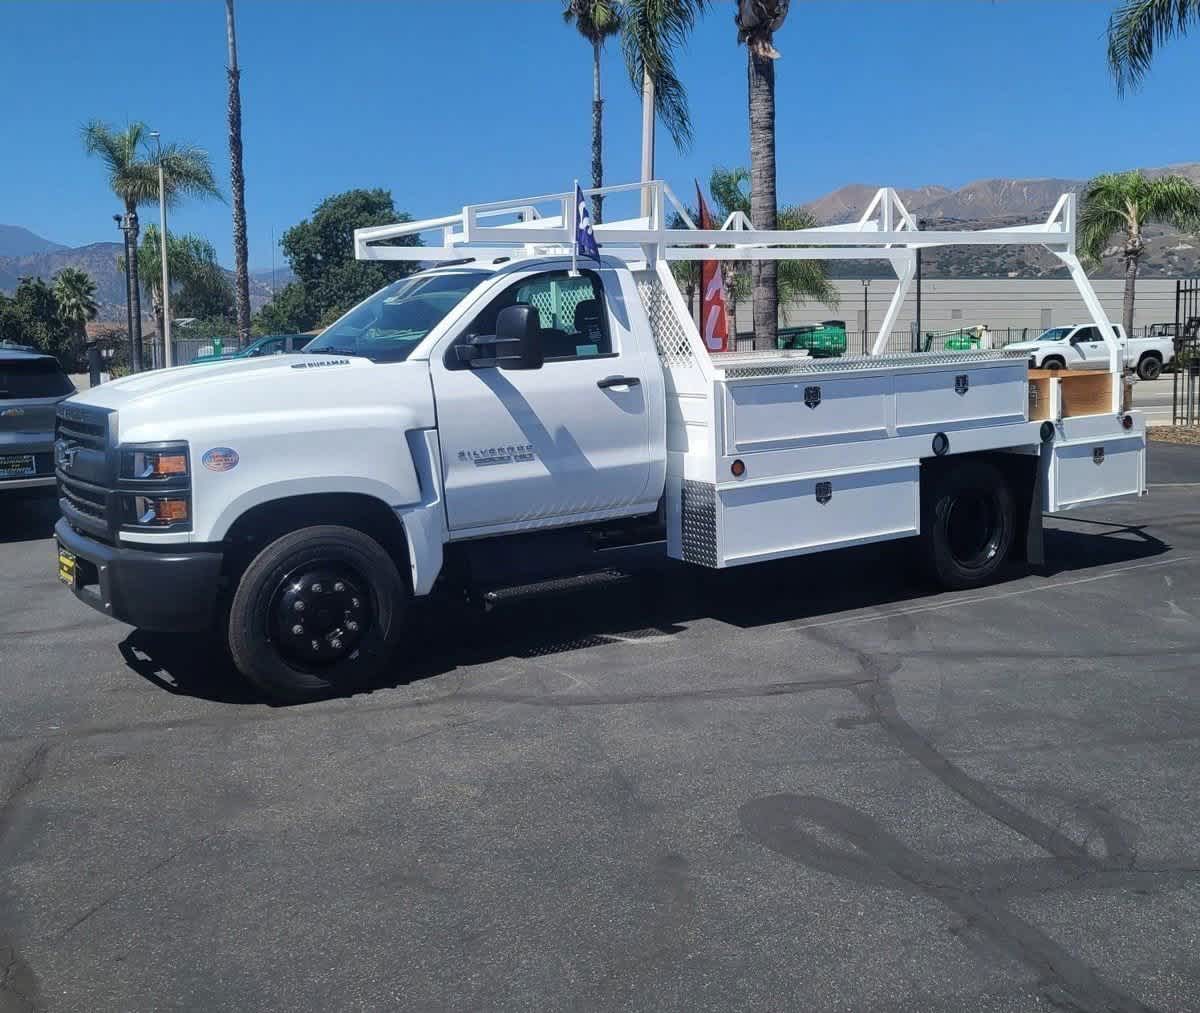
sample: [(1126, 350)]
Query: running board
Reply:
[(585, 581)]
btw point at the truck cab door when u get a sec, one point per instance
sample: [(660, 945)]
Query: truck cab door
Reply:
[(1088, 350), (567, 442)]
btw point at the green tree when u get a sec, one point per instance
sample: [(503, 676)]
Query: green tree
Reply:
[(133, 176), (31, 317), (199, 286), (1120, 204), (321, 252), (288, 313), (75, 298), (757, 23), (1137, 28), (237, 181), (595, 20), (652, 31), (797, 280)]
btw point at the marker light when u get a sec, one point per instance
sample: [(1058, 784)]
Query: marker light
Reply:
[(1127, 421), (738, 468)]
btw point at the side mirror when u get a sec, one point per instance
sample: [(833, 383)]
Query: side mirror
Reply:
[(517, 343), (519, 338)]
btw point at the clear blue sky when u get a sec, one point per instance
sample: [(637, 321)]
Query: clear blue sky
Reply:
[(446, 103)]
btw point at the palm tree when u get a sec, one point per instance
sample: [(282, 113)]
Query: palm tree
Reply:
[(651, 32), (237, 182), (133, 175), (1137, 28), (757, 23), (1121, 204), (75, 296), (595, 20), (797, 281), (192, 262)]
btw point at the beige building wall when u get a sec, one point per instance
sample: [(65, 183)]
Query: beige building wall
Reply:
[(999, 303)]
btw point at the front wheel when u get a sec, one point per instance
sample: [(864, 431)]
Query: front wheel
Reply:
[(317, 612), (1150, 367), (968, 524), (1054, 362)]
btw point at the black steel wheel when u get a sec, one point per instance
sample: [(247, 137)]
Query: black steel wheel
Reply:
[(968, 523), (317, 612)]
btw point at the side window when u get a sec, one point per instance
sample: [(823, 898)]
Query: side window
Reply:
[(1086, 334), (571, 311)]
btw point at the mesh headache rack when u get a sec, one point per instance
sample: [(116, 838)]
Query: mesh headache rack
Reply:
[(544, 226)]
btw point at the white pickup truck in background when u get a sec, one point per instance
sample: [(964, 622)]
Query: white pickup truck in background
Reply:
[(505, 417), (1081, 346)]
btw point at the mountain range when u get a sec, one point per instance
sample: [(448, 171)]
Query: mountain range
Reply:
[(26, 254), (990, 203), (982, 204)]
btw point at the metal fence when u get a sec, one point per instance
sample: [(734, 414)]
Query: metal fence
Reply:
[(1185, 385), (183, 350)]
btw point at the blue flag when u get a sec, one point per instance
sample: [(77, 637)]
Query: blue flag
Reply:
[(585, 236)]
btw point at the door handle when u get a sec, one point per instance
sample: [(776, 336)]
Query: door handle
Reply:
[(618, 381)]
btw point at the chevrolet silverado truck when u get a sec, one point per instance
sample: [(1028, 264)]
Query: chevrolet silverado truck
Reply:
[(503, 417), (1081, 346)]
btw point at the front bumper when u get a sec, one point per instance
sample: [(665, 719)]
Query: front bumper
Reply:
[(166, 591)]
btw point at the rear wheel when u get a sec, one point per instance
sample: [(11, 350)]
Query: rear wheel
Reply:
[(1150, 367), (968, 524), (317, 612)]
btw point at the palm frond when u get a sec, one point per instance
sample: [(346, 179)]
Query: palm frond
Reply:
[(187, 172), (1173, 200), (1138, 28), (652, 31), (595, 20)]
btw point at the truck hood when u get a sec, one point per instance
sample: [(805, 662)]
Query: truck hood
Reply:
[(1026, 346), (281, 390)]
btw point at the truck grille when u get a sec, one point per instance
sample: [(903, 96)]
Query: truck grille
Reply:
[(87, 499), (85, 466), (85, 427)]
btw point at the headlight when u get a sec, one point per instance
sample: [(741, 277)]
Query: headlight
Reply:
[(151, 464), (161, 511), (155, 487)]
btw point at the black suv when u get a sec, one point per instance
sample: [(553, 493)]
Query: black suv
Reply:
[(31, 386)]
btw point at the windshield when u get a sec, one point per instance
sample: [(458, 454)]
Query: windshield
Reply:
[(1054, 334), (392, 322)]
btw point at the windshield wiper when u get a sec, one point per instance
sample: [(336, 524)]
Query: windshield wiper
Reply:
[(331, 350)]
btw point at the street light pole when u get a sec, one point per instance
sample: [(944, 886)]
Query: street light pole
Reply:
[(866, 283), (919, 340), (128, 224), (162, 240)]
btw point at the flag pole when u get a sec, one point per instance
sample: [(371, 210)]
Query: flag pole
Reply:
[(575, 238)]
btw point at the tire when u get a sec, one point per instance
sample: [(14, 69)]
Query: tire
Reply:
[(968, 524), (347, 599), (1149, 367), (1054, 362)]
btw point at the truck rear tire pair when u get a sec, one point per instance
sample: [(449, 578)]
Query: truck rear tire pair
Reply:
[(968, 524), (317, 612)]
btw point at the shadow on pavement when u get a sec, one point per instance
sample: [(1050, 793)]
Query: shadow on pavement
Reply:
[(657, 599), (27, 515)]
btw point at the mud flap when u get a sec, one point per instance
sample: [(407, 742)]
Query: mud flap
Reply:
[(1035, 543)]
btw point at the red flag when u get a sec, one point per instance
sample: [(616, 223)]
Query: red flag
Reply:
[(714, 327)]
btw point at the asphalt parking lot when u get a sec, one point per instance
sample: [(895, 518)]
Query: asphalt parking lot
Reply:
[(813, 785)]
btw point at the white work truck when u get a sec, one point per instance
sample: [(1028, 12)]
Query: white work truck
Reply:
[(488, 421), (1082, 346)]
